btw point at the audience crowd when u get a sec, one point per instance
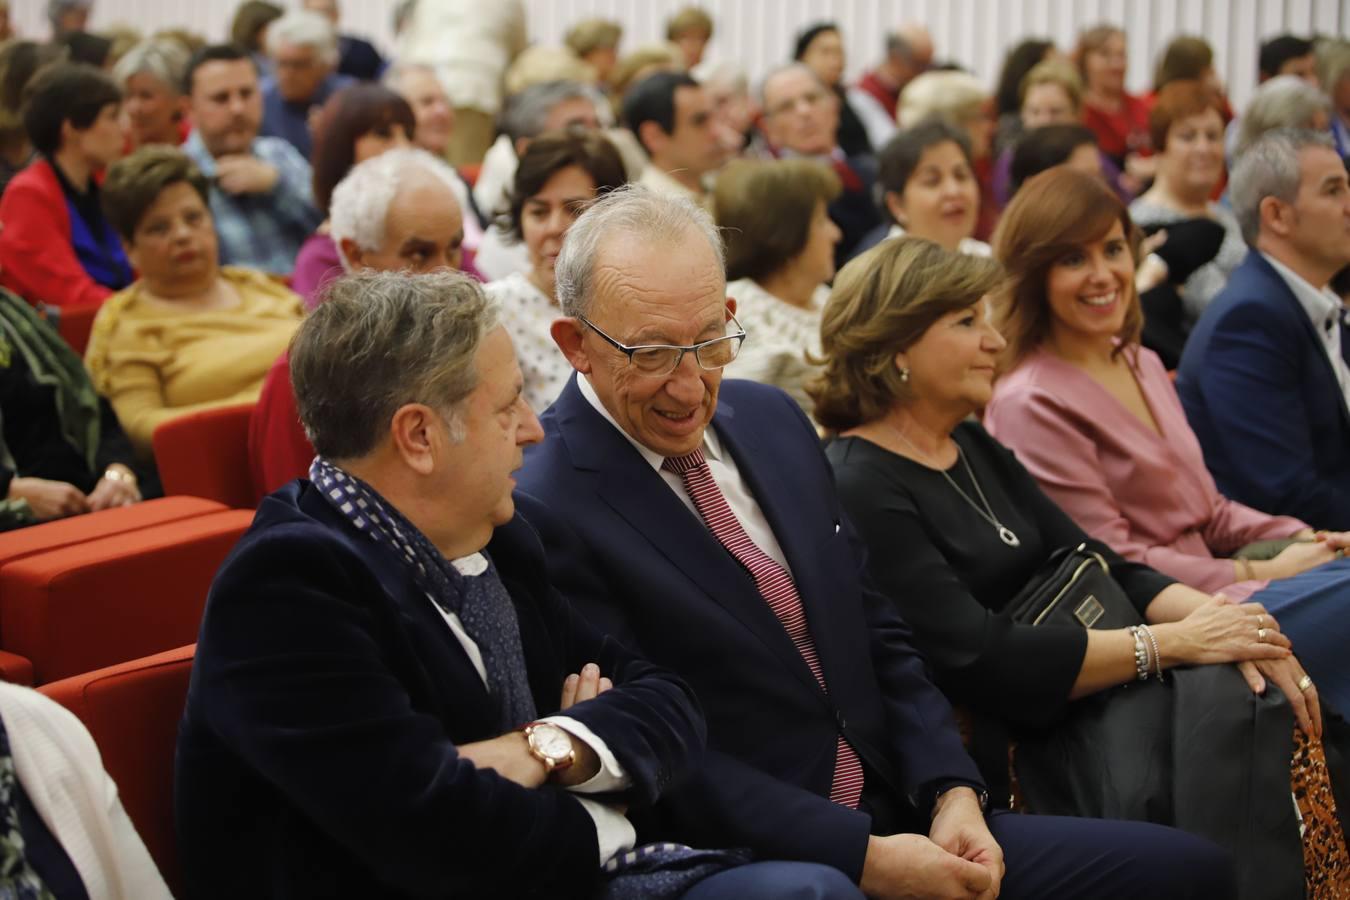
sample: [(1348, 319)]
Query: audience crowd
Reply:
[(671, 486)]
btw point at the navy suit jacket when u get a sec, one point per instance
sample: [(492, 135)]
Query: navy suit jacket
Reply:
[(1263, 399), (316, 756), (643, 567)]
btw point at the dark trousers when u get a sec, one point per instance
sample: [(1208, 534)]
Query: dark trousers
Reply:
[(1046, 856), (1100, 859), (776, 881)]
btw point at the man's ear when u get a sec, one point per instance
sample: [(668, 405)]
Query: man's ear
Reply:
[(731, 306), (652, 138), (567, 334), (412, 429), (1276, 216), (352, 252)]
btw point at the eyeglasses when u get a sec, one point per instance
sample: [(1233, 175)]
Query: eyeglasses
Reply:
[(655, 360)]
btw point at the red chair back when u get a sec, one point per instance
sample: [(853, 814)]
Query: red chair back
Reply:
[(75, 323), (205, 454), (132, 710), (114, 599)]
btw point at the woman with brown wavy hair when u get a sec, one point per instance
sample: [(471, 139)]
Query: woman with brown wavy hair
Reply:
[(1094, 416), (955, 526)]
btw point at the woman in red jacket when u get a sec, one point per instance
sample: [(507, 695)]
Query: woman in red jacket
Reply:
[(57, 249)]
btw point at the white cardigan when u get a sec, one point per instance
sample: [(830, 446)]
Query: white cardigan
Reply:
[(60, 768)]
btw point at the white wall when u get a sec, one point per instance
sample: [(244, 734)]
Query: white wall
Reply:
[(760, 33)]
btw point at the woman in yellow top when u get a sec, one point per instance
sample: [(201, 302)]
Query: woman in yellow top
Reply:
[(187, 335)]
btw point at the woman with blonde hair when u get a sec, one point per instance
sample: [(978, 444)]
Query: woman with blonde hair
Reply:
[(780, 254), (955, 527), (1118, 118)]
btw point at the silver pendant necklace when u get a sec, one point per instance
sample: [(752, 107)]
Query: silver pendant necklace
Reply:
[(1006, 534)]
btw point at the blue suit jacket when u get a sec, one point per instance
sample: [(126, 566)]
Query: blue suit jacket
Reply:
[(1263, 399), (316, 756), (643, 567)]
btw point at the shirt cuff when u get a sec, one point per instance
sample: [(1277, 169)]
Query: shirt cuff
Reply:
[(613, 832), (611, 776)]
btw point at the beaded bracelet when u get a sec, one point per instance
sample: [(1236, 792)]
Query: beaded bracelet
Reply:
[(1157, 654), (1140, 653)]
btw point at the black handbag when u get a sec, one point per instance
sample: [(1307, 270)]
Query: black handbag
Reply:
[(1074, 587)]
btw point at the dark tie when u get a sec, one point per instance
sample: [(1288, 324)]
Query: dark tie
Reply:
[(778, 590)]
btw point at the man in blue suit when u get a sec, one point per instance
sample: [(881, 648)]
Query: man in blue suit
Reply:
[(1264, 378), (723, 553), (380, 706)]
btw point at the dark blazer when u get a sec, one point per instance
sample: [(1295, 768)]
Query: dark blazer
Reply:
[(1263, 399), (643, 567), (316, 756)]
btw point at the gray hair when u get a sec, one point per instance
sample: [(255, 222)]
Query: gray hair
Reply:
[(382, 340), (304, 28), (787, 67), (1333, 62), (630, 210), (163, 58), (1285, 101), (1269, 168), (526, 113), (721, 74), (361, 200), (393, 76)]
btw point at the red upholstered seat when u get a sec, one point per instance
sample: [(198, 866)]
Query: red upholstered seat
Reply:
[(205, 454), (113, 599), (132, 710), (25, 542), (75, 323), (16, 545)]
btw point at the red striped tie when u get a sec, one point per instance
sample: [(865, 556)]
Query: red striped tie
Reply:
[(776, 587)]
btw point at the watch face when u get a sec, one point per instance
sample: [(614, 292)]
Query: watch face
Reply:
[(551, 741)]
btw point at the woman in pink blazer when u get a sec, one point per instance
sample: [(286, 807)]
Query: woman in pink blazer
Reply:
[(1094, 417)]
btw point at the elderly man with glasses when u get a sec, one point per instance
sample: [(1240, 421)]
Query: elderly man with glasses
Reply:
[(696, 518)]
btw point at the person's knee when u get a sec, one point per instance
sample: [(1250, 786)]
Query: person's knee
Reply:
[(1191, 867), (777, 881)]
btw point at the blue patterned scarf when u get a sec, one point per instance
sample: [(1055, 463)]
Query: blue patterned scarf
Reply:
[(651, 872), (480, 602)]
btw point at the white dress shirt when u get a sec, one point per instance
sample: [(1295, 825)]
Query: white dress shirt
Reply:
[(724, 472), (613, 831), (1324, 310)]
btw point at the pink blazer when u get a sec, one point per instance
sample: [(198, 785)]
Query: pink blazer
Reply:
[(1148, 496)]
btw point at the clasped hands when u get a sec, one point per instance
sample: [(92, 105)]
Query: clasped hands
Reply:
[(510, 757), (959, 859)]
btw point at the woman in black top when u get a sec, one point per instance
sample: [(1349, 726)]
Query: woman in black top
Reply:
[(62, 451), (955, 527)]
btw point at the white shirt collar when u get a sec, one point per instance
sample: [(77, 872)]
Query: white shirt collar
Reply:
[(1323, 307), (712, 447)]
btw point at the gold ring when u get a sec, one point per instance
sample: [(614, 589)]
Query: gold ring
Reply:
[(1305, 682), (1260, 634), (1260, 620)]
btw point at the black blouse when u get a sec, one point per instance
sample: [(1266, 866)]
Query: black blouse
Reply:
[(950, 574), (32, 432)]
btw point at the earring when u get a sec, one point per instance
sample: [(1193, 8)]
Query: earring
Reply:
[(904, 374)]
